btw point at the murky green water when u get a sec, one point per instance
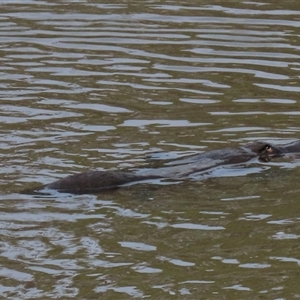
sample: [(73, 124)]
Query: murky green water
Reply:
[(94, 84)]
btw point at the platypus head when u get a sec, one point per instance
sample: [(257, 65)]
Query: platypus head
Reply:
[(267, 151)]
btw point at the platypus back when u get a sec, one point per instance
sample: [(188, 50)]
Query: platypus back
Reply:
[(94, 181)]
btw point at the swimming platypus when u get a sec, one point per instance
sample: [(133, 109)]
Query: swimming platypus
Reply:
[(96, 181)]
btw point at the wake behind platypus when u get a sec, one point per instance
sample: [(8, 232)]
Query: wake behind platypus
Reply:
[(97, 181)]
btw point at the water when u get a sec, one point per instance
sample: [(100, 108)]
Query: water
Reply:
[(116, 85)]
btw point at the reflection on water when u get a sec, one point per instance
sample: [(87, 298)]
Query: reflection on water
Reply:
[(109, 86)]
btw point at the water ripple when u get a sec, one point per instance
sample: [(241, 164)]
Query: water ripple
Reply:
[(102, 85)]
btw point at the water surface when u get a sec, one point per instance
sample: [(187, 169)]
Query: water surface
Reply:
[(117, 85)]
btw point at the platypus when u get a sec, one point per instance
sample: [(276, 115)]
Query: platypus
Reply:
[(96, 181)]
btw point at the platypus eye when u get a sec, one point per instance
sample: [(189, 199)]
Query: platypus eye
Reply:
[(267, 148)]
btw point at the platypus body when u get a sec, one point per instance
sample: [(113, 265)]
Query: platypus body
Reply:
[(97, 181)]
